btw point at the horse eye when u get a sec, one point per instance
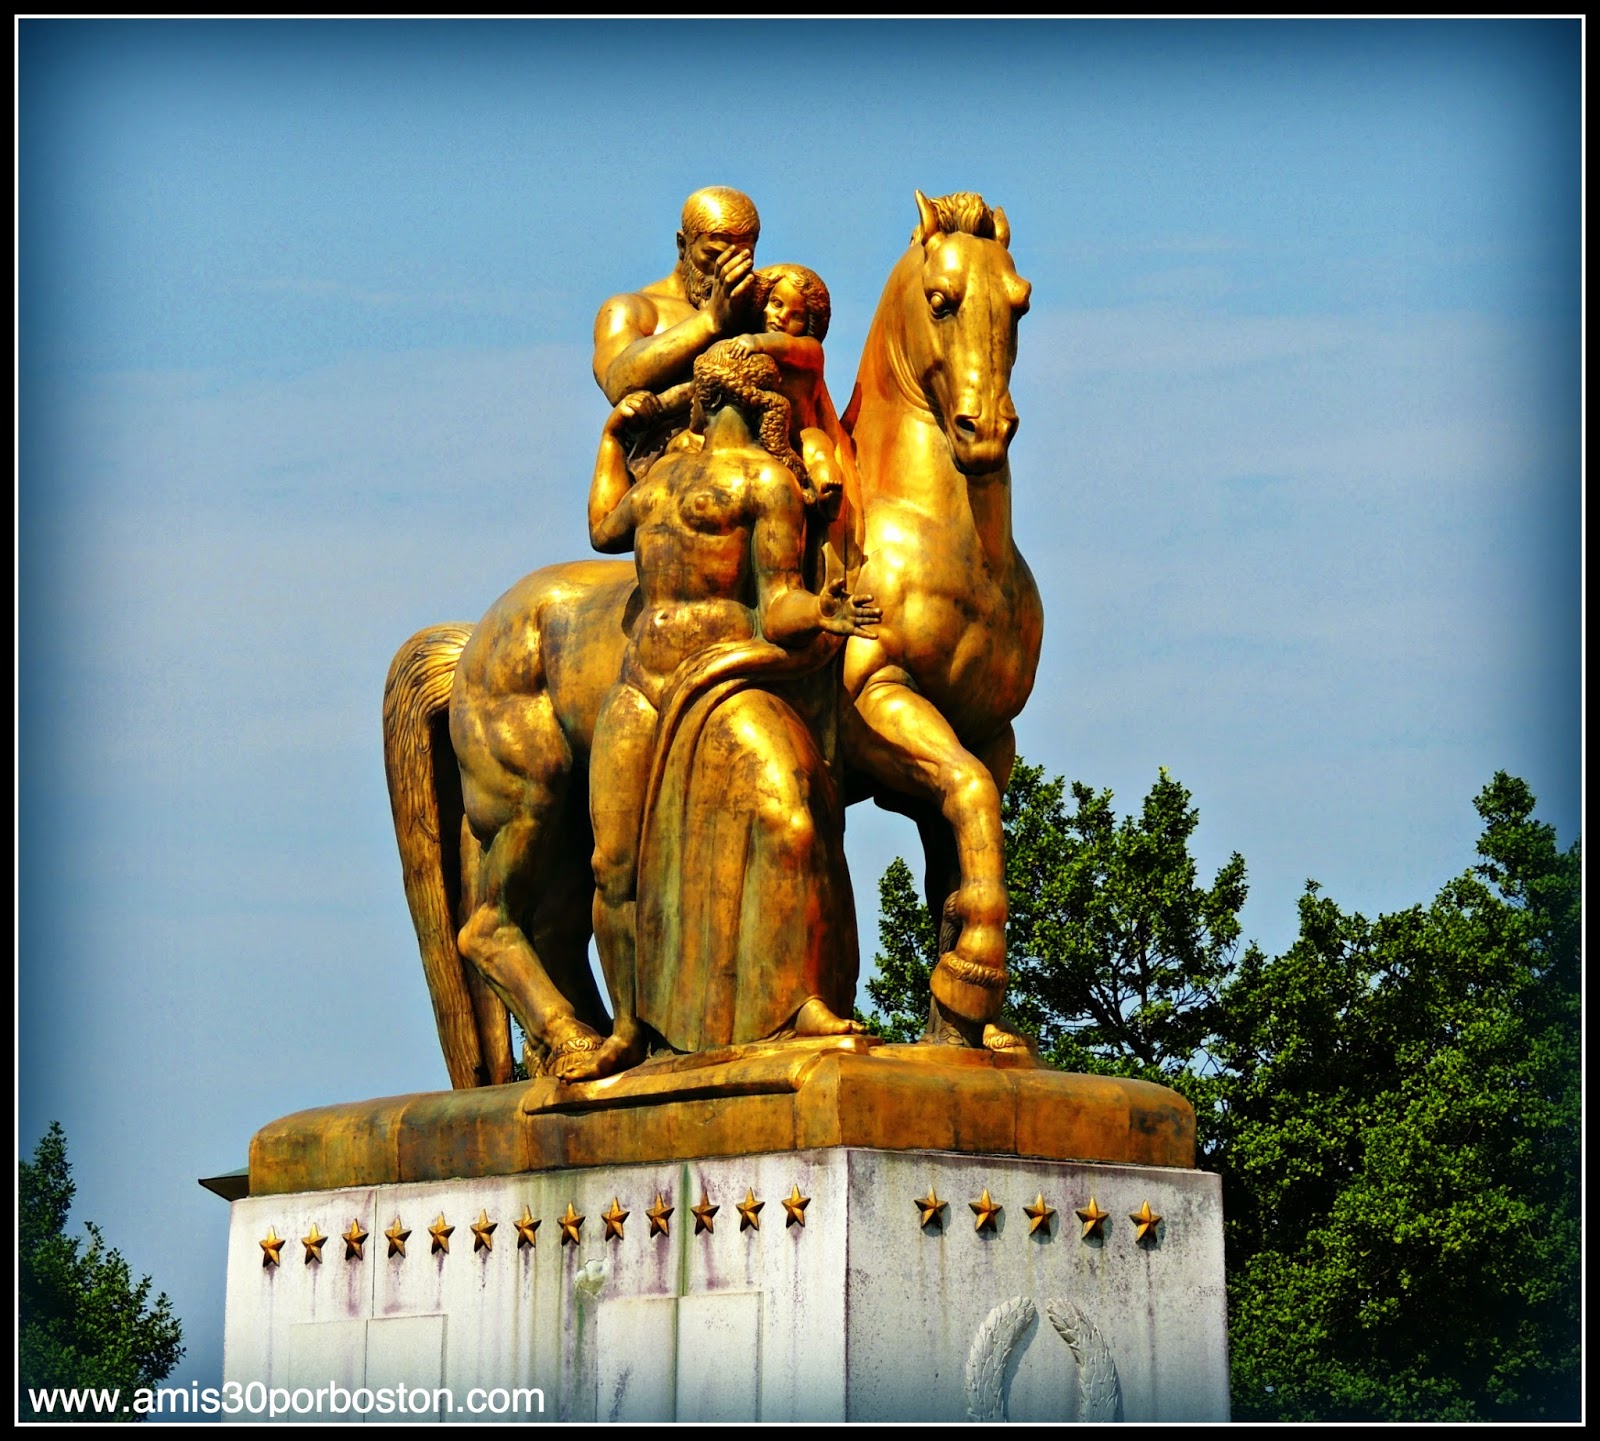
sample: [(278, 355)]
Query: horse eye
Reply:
[(939, 304)]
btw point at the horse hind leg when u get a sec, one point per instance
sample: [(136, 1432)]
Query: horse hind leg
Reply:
[(556, 927), (493, 940), (559, 927)]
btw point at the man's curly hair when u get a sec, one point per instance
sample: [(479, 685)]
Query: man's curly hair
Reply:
[(722, 376)]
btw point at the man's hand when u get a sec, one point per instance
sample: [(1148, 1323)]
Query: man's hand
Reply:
[(732, 289), (840, 613), (640, 407)]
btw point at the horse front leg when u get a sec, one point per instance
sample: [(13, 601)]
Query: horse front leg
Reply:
[(898, 737)]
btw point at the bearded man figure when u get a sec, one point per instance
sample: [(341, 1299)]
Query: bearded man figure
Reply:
[(649, 339)]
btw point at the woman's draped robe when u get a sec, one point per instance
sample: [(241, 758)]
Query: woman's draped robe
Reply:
[(744, 904)]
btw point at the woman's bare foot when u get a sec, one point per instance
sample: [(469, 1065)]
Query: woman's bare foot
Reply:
[(815, 1019)]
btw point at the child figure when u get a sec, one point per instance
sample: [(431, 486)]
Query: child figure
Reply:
[(796, 309)]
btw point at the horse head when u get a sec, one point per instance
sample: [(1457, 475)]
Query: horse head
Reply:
[(957, 337)]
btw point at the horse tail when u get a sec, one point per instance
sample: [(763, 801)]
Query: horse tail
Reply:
[(425, 797)]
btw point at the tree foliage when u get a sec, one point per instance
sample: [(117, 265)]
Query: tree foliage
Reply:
[(1394, 1106), (1401, 1148), (82, 1320)]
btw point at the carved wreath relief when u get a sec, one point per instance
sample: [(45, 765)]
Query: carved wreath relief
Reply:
[(990, 1372)]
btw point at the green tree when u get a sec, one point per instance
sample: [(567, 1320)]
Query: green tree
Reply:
[(1400, 1148), (83, 1322), (1116, 952), (1394, 1107)]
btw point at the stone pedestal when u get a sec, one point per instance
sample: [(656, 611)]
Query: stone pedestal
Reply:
[(839, 1306)]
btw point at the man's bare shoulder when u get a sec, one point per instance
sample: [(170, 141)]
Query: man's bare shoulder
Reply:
[(636, 311), (643, 312)]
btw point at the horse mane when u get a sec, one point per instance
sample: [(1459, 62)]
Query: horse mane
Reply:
[(964, 212)]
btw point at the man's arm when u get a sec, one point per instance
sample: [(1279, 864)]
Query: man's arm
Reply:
[(629, 354), (611, 519)]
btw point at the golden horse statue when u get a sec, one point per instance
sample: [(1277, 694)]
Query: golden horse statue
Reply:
[(487, 729)]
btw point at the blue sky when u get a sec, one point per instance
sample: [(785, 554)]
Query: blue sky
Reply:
[(304, 333)]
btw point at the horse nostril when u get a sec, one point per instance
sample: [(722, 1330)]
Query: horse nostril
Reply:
[(1011, 423), (967, 427)]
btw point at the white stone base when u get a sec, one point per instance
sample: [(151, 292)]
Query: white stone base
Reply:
[(859, 1314)]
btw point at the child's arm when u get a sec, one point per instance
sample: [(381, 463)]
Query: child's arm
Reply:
[(792, 352), (821, 461)]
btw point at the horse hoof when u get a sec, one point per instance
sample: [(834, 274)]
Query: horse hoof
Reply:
[(604, 1058), (995, 1039)]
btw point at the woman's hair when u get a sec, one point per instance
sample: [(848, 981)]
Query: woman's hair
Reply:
[(722, 376)]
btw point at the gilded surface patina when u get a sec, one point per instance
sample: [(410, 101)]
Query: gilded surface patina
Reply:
[(676, 738), (783, 1096), (656, 752)]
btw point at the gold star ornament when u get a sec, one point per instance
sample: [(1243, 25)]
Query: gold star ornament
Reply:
[(1144, 1222), (571, 1224), (527, 1228), (660, 1214), (703, 1214), (270, 1248), (313, 1244), (483, 1232), (795, 1204), (1093, 1219), (1038, 1215), (441, 1235), (397, 1238), (932, 1208), (354, 1239), (750, 1211), (614, 1219), (985, 1210)]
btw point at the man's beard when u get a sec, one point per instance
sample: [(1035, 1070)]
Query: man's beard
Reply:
[(696, 284)]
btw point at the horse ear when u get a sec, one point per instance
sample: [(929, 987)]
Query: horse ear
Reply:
[(927, 221), (1002, 228)]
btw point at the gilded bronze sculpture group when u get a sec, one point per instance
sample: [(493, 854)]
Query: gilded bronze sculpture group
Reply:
[(820, 609)]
